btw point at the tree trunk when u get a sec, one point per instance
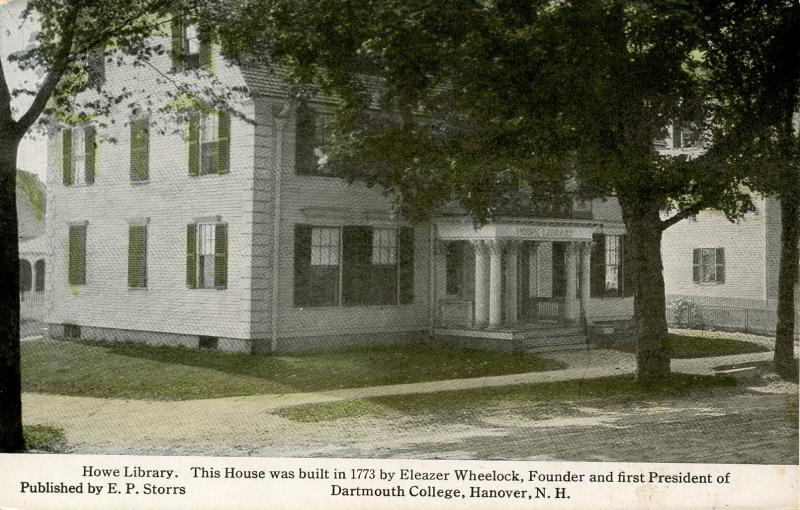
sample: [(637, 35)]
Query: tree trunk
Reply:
[(10, 383), (643, 223), (783, 360)]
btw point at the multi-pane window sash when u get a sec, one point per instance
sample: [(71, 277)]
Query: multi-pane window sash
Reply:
[(209, 143), (190, 48), (137, 256), (613, 263), (708, 265), (384, 246), (610, 267), (78, 155), (324, 246), (96, 67), (140, 150), (76, 261), (207, 255)]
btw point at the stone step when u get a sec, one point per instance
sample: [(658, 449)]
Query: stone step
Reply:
[(554, 348), (555, 332), (554, 340)]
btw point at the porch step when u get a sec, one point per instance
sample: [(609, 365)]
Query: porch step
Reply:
[(553, 348), (549, 332)]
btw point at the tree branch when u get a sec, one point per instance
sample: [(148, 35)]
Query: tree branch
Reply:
[(54, 75), (682, 215)]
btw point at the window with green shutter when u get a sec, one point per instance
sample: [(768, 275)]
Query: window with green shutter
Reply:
[(140, 150), (190, 48), (207, 255), (76, 257), (78, 155), (209, 142), (137, 256)]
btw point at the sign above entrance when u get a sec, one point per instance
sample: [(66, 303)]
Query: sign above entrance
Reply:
[(527, 232)]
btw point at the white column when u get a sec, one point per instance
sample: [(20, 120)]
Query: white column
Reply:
[(586, 276), (570, 301), (512, 252), (481, 283), (495, 283)]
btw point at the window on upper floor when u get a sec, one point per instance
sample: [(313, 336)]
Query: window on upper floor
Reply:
[(95, 61), (309, 155), (708, 265), (190, 48), (207, 255), (209, 143), (78, 155), (140, 149)]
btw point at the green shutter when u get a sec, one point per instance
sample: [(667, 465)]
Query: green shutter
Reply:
[(302, 264), (90, 147), (207, 54), (628, 280), (191, 256), (137, 256), (598, 266), (194, 144), (720, 261), (221, 256), (223, 154), (66, 156), (77, 255), (177, 44), (140, 150), (696, 265), (357, 273), (406, 264), (305, 135)]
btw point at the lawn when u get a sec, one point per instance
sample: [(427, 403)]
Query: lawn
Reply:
[(688, 346), (450, 404), (128, 370)]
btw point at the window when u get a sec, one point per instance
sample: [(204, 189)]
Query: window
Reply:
[(317, 253), (384, 246), (611, 269), (190, 48), (353, 265), (708, 265), (613, 262), (140, 150), (76, 265), (454, 268), (207, 255), (137, 256), (96, 67), (209, 143), (309, 156), (78, 155), (25, 275), (685, 135), (39, 275)]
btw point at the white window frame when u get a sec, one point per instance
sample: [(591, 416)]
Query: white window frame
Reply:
[(326, 246), (203, 243)]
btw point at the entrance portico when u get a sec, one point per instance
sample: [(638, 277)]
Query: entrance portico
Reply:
[(505, 258)]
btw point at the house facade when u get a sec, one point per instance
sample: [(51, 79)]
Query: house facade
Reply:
[(221, 230)]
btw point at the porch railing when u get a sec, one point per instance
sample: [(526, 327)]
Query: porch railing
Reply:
[(455, 313), (547, 308), (31, 304)]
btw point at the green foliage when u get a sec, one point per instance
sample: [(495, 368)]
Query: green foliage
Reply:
[(33, 191), (688, 346), (44, 437), (442, 100)]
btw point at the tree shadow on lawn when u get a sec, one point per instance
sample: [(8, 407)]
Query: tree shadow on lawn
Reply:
[(164, 367)]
